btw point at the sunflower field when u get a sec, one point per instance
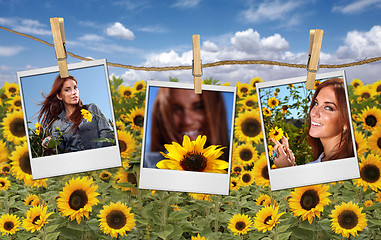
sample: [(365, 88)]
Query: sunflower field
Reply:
[(107, 204)]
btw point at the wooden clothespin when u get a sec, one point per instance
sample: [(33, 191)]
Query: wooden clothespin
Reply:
[(196, 64), (58, 31), (316, 37)]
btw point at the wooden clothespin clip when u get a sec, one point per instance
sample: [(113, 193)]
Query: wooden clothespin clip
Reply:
[(196, 64), (58, 31), (316, 37)]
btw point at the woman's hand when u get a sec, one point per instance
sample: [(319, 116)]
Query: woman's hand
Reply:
[(285, 157), (45, 142)]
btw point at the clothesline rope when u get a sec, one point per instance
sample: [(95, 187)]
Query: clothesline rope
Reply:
[(219, 63)]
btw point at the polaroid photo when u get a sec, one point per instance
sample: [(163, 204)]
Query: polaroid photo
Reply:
[(187, 138), (308, 134), (57, 145)]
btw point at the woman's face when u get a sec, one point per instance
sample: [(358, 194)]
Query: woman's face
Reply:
[(69, 94), (188, 112), (325, 118)]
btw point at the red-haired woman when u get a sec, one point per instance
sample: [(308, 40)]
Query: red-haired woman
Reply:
[(329, 132), (61, 110), (178, 112)]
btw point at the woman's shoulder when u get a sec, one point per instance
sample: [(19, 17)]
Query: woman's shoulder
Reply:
[(92, 106)]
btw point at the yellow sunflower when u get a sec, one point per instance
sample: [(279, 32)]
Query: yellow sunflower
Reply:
[(140, 86), (375, 141), (5, 168), (266, 112), (347, 218), (377, 86), (254, 81), (3, 98), (38, 127), (263, 200), (276, 133), (249, 102), (193, 157), (126, 92), (176, 208), (246, 178), (87, 115), (13, 127), (32, 200), (243, 89), (119, 125), (36, 218), (246, 154), (4, 151), (77, 198), (200, 196), (378, 195), (21, 168), (136, 118), (123, 117), (105, 175), (115, 219), (261, 173), (361, 143), (237, 169), (15, 103), (126, 143), (370, 118), (198, 237), (309, 201), (285, 108), (370, 170), (235, 183), (356, 83), (123, 176), (368, 203), (240, 224), (248, 127), (9, 224), (273, 102), (317, 83), (266, 218), (4, 183), (364, 92), (11, 88)]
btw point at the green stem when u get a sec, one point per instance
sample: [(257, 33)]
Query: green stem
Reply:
[(216, 211)]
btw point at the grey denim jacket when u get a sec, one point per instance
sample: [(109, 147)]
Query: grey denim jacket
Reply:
[(87, 131)]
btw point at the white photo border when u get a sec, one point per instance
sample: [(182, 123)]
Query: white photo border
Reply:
[(186, 181), (72, 162), (310, 174)]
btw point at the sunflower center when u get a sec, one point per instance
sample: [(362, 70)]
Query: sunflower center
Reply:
[(355, 85), (3, 96), (371, 120), (2, 184), (348, 219), (246, 155), (249, 103), (78, 199), (262, 202), (276, 133), (127, 93), (194, 162), (25, 163), (240, 226), (234, 184), (378, 89), (246, 178), (131, 178), (105, 175), (18, 103), (379, 143), (265, 173), (139, 87), (116, 219), (370, 173), (237, 169), (5, 169), (35, 220), (365, 95), (12, 90), (309, 199), (8, 226), (139, 120), (284, 107), (251, 127), (244, 90), (17, 127), (267, 219), (122, 146), (273, 102)]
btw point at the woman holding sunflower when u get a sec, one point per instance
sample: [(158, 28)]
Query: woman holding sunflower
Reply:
[(62, 111), (329, 132)]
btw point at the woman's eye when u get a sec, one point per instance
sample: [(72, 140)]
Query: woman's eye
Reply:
[(328, 108)]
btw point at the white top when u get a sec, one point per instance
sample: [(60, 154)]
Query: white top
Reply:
[(318, 159)]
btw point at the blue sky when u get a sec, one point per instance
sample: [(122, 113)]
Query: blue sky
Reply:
[(159, 33)]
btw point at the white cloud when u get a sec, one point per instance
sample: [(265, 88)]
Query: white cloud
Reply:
[(154, 29), (91, 38), (4, 68), (360, 45), (9, 51), (119, 31), (28, 26), (186, 3), (357, 6)]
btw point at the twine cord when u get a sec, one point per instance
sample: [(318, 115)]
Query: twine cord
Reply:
[(215, 64)]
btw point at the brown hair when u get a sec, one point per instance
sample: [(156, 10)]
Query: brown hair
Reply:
[(52, 106), (345, 147), (163, 128)]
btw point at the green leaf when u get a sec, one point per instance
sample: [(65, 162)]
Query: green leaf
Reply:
[(53, 236), (51, 228), (284, 236), (168, 230), (283, 228)]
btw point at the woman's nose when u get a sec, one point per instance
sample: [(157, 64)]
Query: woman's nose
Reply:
[(315, 111), (187, 117)]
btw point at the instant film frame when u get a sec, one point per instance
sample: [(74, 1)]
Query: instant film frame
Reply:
[(306, 174), (180, 180), (93, 85)]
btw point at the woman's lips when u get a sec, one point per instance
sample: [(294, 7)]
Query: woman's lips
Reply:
[(192, 134), (316, 124)]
